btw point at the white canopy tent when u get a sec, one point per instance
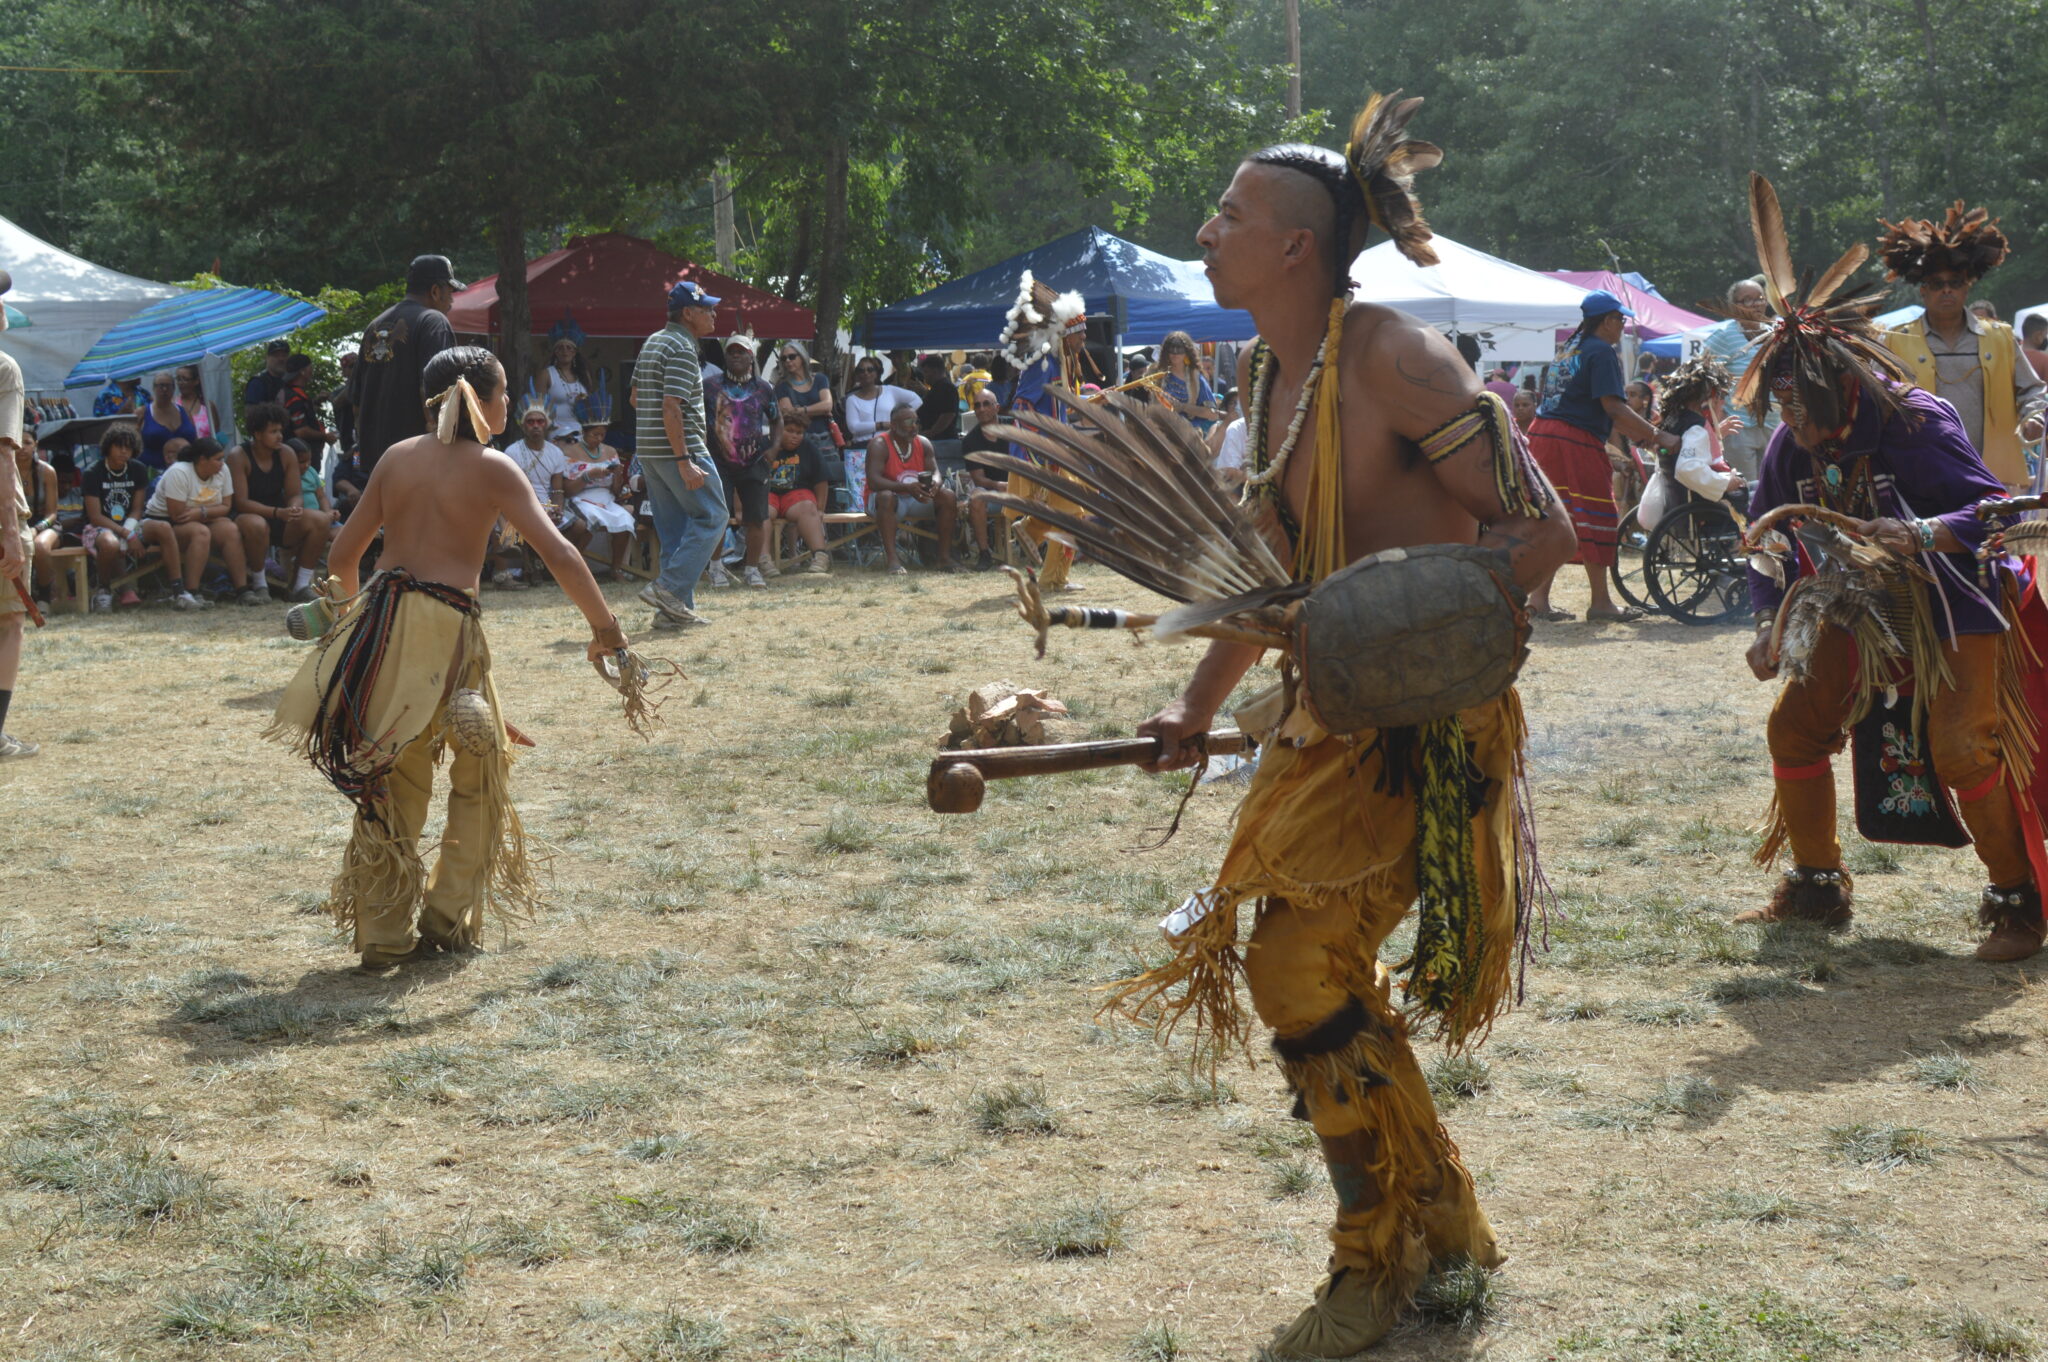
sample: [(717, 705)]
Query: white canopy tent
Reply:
[(70, 302), (1515, 313)]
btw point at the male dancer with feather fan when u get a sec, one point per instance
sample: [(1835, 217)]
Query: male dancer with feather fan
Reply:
[(1906, 639), (1392, 444)]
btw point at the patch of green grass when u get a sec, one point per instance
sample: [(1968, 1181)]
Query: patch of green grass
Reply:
[(1882, 1146), (558, 1103), (844, 697), (1757, 1208), (1687, 1095), (1073, 1229), (117, 1180), (660, 1148), (1766, 1328), (1949, 1071), (1978, 1335), (1571, 1009), (1013, 1109), (1665, 1012), (1621, 834), (529, 1243), (843, 836), (677, 1337), (1156, 1342), (1179, 1088), (1749, 988), (1872, 858), (1459, 1294), (252, 1016), (1553, 1082), (1292, 1176), (697, 1224), (1456, 1078)]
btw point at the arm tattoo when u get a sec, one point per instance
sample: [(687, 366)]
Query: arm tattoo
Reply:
[(1440, 376)]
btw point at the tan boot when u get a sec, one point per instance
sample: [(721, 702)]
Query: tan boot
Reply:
[(2014, 917), (1454, 1226), (1353, 1310), (1808, 894)]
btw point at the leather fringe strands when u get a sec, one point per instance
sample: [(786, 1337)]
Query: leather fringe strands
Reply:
[(1513, 465), (331, 723)]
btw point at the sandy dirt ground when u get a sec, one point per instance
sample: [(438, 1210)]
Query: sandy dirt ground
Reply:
[(793, 1068)]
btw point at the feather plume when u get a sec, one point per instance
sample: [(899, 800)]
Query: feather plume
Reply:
[(1150, 506), (1965, 242), (1385, 162), (1773, 250), (1837, 275), (1815, 348)]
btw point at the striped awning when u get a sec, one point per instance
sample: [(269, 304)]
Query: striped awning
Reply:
[(182, 330)]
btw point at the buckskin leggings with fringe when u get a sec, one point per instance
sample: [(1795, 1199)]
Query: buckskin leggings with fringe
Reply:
[(1329, 855), (1962, 729)]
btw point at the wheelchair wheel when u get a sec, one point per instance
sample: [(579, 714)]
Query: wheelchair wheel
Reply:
[(1626, 572), (1693, 565)]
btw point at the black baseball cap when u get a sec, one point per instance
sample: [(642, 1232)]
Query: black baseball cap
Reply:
[(428, 270), (278, 347)]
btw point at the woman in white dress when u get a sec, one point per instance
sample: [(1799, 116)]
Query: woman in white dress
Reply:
[(596, 482), (568, 385)]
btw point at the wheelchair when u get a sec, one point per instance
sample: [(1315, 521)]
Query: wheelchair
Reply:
[(1690, 567)]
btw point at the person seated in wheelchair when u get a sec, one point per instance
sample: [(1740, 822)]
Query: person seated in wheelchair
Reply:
[(1696, 470)]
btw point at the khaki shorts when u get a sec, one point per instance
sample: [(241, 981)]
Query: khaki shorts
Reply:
[(10, 599)]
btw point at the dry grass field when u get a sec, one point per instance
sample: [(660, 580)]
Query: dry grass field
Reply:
[(795, 1069)]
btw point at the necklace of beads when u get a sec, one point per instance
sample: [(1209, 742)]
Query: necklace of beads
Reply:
[(1262, 393)]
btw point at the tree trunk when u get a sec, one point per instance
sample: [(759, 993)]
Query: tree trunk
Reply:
[(515, 309), (1293, 14), (799, 251), (832, 255)]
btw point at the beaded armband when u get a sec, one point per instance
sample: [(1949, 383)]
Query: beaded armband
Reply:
[(1514, 469)]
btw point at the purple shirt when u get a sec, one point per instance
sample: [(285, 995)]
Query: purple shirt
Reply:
[(1920, 469)]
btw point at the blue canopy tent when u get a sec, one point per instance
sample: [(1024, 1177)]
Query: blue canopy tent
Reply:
[(1143, 294), (187, 328)]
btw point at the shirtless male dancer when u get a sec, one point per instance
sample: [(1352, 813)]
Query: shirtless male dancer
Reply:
[(1326, 846), (372, 708)]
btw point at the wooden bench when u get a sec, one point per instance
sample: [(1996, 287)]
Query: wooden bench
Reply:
[(152, 561), (841, 528)]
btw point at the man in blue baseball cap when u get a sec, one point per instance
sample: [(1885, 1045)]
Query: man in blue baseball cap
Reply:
[(675, 458), (1584, 402)]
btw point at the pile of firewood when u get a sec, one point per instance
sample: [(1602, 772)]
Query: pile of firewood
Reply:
[(1000, 714)]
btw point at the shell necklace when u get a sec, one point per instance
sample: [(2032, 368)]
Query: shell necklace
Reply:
[(1262, 396)]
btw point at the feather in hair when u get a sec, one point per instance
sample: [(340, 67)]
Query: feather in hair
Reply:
[(1773, 250), (1385, 163)]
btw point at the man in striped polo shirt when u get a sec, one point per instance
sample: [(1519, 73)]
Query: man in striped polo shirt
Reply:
[(682, 483)]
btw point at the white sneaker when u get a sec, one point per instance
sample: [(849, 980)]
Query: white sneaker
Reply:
[(719, 576), (102, 600), (185, 600), (818, 564), (754, 578), (769, 570)]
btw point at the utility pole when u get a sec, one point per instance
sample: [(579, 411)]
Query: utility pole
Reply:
[(721, 214), (1293, 8)]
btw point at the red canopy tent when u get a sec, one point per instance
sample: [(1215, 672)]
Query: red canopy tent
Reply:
[(617, 285)]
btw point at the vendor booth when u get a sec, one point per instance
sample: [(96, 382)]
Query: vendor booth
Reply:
[(1514, 313)]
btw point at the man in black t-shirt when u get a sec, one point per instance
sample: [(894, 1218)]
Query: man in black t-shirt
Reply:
[(301, 409), (386, 385), (938, 413), (266, 383)]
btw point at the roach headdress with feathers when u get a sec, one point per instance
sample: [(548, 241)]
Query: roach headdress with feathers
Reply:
[(1694, 382), (1816, 352), (1963, 242)]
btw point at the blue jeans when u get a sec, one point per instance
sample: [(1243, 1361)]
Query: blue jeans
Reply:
[(689, 523)]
